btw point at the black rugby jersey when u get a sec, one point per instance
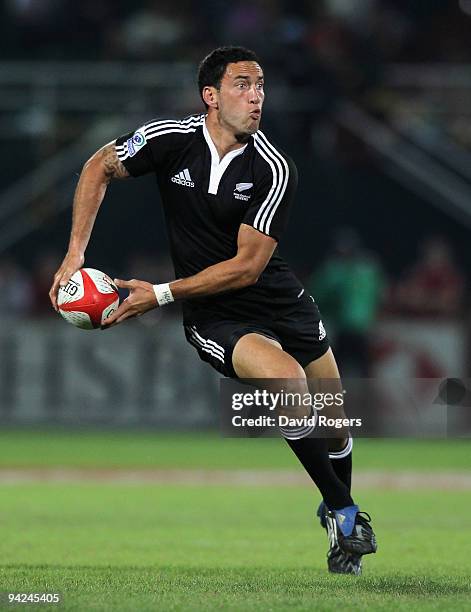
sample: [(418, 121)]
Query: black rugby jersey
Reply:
[(205, 201)]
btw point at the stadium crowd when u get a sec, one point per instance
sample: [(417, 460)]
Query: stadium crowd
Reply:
[(337, 32)]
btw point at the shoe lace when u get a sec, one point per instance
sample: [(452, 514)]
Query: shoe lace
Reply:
[(364, 516)]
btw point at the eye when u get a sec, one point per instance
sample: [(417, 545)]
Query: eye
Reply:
[(242, 85), (260, 85)]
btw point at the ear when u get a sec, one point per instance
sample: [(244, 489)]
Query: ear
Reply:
[(211, 95)]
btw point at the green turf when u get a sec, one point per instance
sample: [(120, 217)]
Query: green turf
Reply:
[(167, 547), (114, 449)]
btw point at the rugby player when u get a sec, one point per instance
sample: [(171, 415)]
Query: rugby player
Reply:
[(227, 190)]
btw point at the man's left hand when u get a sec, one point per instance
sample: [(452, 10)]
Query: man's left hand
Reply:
[(141, 298)]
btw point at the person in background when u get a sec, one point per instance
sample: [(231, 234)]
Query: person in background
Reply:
[(434, 285), (348, 287)]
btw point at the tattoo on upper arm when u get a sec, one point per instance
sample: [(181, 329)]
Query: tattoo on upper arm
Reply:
[(113, 167)]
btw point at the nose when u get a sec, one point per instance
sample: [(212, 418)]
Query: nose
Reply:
[(255, 95)]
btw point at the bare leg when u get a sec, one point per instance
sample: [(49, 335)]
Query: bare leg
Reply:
[(256, 356), (325, 368)]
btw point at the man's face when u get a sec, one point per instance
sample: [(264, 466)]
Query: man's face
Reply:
[(240, 98)]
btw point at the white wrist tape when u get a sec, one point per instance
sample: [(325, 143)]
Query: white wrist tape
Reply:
[(163, 294)]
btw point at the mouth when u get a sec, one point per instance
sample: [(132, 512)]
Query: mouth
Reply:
[(255, 114)]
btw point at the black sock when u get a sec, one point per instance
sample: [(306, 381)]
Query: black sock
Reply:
[(313, 453), (343, 469), (342, 465)]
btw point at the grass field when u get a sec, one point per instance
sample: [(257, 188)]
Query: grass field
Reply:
[(110, 546), (204, 450)]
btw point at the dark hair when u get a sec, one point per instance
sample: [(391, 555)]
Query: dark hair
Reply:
[(213, 67)]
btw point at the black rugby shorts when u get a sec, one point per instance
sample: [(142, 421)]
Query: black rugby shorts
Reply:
[(298, 329)]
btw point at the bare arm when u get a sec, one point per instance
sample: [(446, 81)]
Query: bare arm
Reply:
[(253, 253), (97, 173)]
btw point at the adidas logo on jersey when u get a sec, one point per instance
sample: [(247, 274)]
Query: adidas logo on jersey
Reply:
[(322, 332), (183, 178)]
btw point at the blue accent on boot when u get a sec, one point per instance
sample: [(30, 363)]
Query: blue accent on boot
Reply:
[(321, 513), (345, 518)]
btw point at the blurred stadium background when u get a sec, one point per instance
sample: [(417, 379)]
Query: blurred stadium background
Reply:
[(372, 100)]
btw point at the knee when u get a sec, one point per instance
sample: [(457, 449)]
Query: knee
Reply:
[(290, 369)]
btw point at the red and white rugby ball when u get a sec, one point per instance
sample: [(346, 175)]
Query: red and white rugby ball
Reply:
[(88, 299)]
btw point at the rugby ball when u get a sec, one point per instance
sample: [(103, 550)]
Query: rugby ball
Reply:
[(88, 299)]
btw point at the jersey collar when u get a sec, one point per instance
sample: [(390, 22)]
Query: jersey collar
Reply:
[(218, 166)]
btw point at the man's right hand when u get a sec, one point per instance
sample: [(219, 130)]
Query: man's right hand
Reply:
[(72, 262)]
